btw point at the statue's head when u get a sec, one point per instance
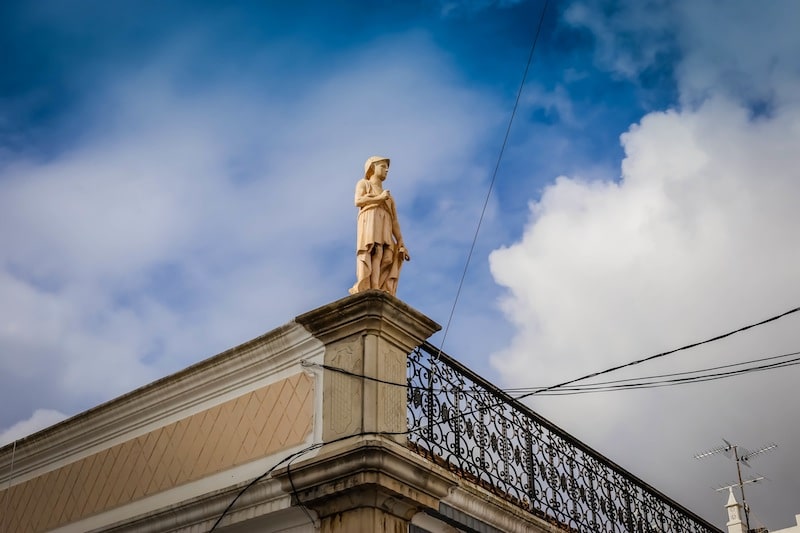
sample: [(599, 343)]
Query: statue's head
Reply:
[(369, 165)]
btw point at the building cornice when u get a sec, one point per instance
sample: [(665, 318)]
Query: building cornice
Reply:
[(359, 471), (370, 312)]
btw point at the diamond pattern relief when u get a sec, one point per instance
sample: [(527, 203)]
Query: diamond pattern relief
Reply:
[(246, 428)]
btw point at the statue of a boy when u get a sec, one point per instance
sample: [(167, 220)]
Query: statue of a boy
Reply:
[(380, 250)]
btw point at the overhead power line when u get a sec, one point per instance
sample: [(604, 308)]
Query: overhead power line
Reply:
[(646, 382), (660, 355), (494, 175), (666, 380), (634, 383)]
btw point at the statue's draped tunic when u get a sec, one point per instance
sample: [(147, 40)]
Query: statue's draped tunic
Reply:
[(375, 222)]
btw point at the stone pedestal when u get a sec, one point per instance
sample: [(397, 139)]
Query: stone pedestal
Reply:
[(369, 334), (364, 478)]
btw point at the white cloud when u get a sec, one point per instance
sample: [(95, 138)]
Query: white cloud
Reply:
[(744, 50), (697, 238), (629, 38), (40, 419), (747, 52), (688, 213), (688, 245)]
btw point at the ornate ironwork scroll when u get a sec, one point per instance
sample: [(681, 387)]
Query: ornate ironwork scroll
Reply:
[(471, 427)]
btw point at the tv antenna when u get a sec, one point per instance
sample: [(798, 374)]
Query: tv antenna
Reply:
[(742, 456)]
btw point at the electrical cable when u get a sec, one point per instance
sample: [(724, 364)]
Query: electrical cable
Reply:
[(296, 495), (292, 456), (700, 375), (494, 176), (614, 368), (662, 354), (467, 392), (609, 386), (673, 382), (525, 389), (262, 476)]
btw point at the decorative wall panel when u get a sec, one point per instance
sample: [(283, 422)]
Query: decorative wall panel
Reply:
[(254, 425)]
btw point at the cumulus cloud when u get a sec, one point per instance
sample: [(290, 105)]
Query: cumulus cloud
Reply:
[(695, 238), (706, 202)]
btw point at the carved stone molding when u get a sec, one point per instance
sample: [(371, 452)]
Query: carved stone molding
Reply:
[(371, 312), (366, 482)]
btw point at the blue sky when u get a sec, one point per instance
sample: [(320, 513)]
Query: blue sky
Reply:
[(176, 179)]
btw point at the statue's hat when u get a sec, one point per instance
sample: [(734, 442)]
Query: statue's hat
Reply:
[(374, 159)]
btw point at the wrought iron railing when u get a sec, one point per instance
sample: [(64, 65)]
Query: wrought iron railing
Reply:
[(471, 427)]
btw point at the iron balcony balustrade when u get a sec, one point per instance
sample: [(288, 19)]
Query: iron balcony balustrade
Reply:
[(469, 426)]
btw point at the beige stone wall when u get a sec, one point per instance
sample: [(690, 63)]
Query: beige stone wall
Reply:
[(235, 432)]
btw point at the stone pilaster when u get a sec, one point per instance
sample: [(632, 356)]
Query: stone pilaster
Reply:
[(370, 482), (368, 334)]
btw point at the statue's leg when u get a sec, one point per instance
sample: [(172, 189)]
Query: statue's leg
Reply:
[(393, 274), (386, 269), (375, 275)]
